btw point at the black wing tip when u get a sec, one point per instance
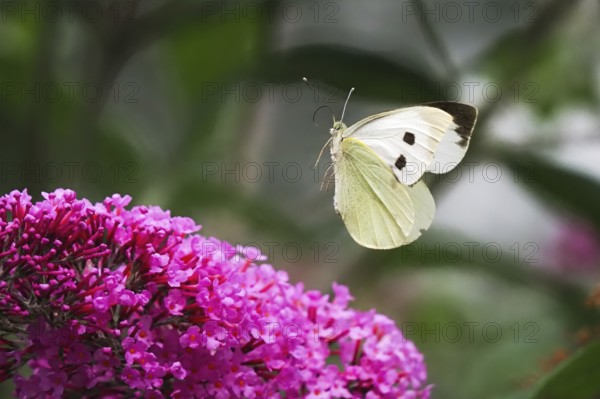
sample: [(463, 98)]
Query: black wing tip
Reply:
[(463, 115)]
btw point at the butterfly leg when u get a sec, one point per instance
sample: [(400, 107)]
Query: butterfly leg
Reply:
[(322, 150), (326, 177)]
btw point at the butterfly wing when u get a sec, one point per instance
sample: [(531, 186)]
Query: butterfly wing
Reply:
[(417, 139), (424, 209), (454, 144), (378, 211)]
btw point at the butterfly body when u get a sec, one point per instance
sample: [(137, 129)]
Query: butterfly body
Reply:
[(336, 132), (380, 160)]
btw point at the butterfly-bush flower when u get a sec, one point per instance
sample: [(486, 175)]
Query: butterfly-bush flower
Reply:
[(101, 301), (575, 248)]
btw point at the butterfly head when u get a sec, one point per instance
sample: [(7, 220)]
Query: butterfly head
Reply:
[(338, 127)]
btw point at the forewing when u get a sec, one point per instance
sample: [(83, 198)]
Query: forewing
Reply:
[(455, 142), (376, 208), (408, 139)]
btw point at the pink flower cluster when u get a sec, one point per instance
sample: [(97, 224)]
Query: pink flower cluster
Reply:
[(104, 302)]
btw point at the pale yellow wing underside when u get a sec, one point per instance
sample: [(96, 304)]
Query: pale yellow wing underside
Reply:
[(378, 211)]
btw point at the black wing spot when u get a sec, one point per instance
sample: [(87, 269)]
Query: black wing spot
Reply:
[(409, 138), (463, 115), (400, 162)]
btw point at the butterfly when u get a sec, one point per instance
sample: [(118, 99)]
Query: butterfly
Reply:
[(379, 162)]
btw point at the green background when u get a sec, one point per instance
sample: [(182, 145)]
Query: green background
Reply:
[(199, 107)]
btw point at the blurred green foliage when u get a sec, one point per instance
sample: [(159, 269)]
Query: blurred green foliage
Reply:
[(133, 102), (576, 378)]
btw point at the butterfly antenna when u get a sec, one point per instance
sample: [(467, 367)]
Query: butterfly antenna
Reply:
[(346, 104), (318, 109), (307, 83)]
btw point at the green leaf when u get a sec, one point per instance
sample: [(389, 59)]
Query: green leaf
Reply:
[(576, 378)]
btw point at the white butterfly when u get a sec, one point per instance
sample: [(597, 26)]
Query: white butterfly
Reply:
[(380, 160)]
